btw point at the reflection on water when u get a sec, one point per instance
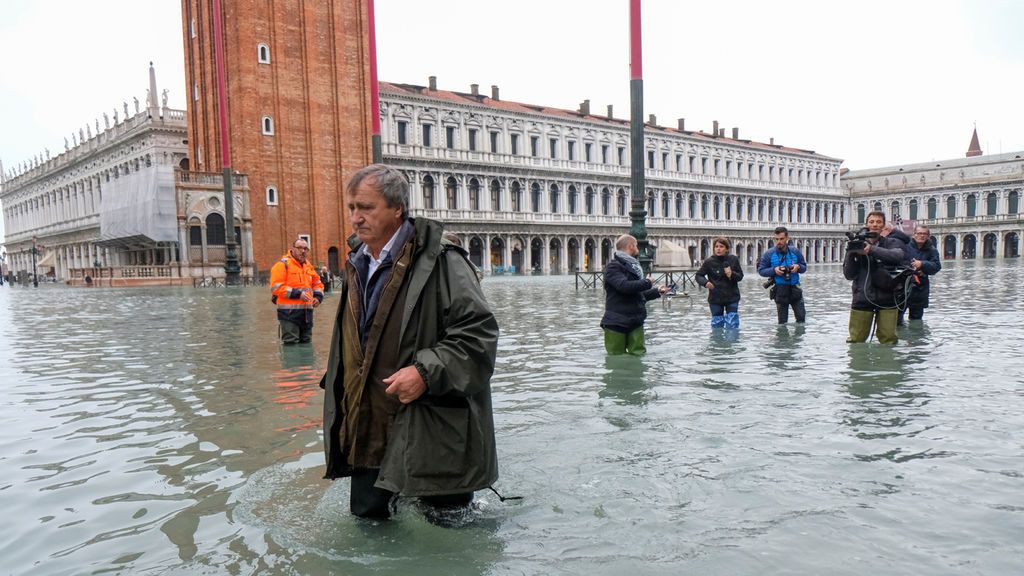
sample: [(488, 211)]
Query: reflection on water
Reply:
[(625, 379), (167, 431)]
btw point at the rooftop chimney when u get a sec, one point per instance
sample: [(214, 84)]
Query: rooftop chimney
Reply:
[(433, 83), (714, 131), (652, 120), (585, 107), (682, 124), (494, 92), (474, 89), (735, 133), (610, 112), (721, 132), (771, 141)]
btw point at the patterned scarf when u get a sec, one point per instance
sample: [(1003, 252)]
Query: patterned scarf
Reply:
[(633, 262)]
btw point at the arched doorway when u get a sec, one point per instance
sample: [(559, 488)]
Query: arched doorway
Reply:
[(537, 254), (498, 253), (476, 252), (589, 248), (555, 248), (1011, 245), (949, 247), (573, 254), (705, 249), (606, 250), (990, 243), (332, 261), (970, 247)]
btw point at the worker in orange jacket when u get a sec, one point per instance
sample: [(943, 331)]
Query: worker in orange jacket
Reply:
[(296, 290)]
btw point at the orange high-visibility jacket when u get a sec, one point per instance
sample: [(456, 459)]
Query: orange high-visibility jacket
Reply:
[(289, 279)]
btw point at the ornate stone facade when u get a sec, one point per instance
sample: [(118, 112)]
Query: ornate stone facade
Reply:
[(533, 188), (971, 205), (118, 206)]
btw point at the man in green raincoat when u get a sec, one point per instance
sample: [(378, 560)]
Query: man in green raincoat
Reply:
[(407, 404)]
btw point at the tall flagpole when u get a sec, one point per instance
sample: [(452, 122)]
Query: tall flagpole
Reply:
[(375, 143), (232, 271), (638, 211)]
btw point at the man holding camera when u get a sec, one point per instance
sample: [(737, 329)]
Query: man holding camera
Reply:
[(782, 265), (871, 263)]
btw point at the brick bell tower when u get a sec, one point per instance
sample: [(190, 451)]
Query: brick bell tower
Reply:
[(298, 98)]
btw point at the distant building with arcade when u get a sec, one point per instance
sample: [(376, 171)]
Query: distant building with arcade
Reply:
[(972, 205)]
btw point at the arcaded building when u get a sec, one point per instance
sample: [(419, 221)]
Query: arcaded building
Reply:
[(115, 207), (533, 188), (298, 113), (972, 205)]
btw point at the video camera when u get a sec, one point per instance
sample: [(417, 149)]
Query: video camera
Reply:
[(857, 240)]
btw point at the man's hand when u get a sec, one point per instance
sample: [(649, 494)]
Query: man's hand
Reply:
[(915, 264), (728, 271), (867, 248), (307, 295), (780, 271), (316, 302), (407, 384), (663, 289), (794, 268)]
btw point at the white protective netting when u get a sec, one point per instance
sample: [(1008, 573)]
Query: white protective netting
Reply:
[(140, 204)]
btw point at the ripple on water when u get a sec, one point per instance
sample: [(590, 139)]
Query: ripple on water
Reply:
[(166, 431)]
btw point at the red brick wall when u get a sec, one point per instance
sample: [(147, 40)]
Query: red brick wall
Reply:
[(316, 89)]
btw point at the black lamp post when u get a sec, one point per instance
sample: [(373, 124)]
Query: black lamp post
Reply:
[(35, 277), (637, 180), (3, 259)]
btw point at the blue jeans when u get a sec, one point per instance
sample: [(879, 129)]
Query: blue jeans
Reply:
[(726, 315), (722, 309)]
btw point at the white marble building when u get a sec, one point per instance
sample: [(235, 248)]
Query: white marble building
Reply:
[(527, 187), (117, 204), (971, 205)]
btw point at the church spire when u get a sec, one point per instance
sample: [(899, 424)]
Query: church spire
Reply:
[(974, 149)]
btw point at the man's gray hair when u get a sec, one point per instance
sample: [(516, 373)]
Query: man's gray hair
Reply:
[(623, 241), (389, 182)]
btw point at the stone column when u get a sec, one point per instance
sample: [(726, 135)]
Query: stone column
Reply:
[(206, 261), (508, 249), (545, 265), (487, 267)]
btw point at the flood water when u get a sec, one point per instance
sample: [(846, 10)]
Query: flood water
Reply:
[(165, 431)]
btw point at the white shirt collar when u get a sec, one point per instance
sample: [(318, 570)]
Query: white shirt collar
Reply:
[(376, 262)]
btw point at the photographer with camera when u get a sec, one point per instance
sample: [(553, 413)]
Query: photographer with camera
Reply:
[(872, 262), (925, 261), (782, 266)]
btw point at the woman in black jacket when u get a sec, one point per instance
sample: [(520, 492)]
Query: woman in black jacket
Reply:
[(721, 275)]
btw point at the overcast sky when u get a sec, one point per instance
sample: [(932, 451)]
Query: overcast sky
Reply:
[(875, 83)]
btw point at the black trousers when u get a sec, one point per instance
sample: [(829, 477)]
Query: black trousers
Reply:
[(368, 501), (782, 309)]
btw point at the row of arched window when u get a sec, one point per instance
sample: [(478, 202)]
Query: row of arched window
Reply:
[(663, 156), (991, 207), (216, 231), (608, 202)]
